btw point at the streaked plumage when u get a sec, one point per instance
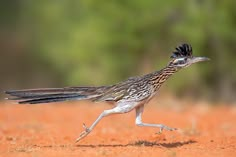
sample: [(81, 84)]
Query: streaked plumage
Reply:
[(130, 94)]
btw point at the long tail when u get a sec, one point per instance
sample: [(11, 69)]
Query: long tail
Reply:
[(47, 95)]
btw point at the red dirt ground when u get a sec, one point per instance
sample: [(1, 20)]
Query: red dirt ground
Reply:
[(51, 130)]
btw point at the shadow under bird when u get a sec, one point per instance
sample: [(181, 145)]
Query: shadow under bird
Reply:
[(127, 95)]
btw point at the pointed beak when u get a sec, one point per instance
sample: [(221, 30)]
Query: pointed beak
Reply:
[(199, 59)]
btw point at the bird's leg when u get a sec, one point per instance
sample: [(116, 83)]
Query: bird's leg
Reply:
[(138, 121), (87, 130)]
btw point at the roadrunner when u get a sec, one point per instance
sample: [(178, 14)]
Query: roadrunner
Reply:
[(130, 94)]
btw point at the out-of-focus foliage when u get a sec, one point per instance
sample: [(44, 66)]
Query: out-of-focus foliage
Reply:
[(101, 42)]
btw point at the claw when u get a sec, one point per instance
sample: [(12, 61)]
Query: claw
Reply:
[(173, 129), (166, 128), (160, 131), (85, 127), (83, 134)]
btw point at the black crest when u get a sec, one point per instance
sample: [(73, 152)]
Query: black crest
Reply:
[(184, 50)]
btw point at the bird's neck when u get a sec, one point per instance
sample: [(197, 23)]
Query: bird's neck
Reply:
[(159, 77)]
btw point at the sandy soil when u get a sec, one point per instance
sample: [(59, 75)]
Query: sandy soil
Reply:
[(51, 130)]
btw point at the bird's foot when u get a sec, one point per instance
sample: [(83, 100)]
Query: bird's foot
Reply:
[(84, 133), (166, 128)]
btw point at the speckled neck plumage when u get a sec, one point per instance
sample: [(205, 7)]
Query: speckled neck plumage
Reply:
[(159, 77)]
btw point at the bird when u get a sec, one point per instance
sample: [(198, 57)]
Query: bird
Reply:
[(128, 95)]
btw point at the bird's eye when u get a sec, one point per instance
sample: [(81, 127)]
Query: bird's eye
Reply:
[(183, 61), (180, 61)]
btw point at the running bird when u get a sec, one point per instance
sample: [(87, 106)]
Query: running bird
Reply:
[(127, 95)]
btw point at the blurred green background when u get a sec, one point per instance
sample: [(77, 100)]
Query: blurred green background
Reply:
[(56, 43)]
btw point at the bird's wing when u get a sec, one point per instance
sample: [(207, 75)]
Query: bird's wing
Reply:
[(133, 89), (112, 95)]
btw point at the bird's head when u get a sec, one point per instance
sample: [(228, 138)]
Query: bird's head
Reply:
[(183, 57)]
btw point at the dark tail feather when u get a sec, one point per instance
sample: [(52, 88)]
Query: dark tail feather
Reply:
[(35, 96), (51, 99), (41, 96)]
